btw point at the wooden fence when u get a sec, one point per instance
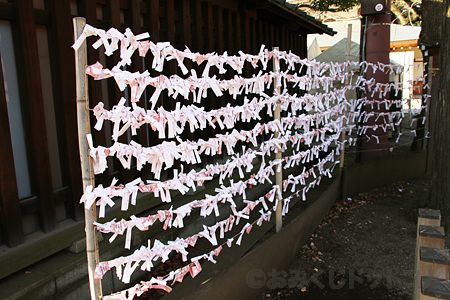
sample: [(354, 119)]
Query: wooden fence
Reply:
[(432, 267), (40, 176)]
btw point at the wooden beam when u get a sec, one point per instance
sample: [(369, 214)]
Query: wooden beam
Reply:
[(42, 17), (209, 31), (114, 94), (288, 40), (187, 35), (253, 36), (144, 7), (265, 34), (295, 44), (207, 9), (271, 36), (292, 46), (246, 32), (12, 232), (12, 260), (276, 36), (170, 18), (7, 11), (34, 102), (187, 21), (154, 20), (124, 4), (304, 46), (218, 18), (259, 30), (219, 48), (228, 22), (135, 13), (169, 102), (238, 34), (63, 82), (198, 25), (113, 11), (237, 30)]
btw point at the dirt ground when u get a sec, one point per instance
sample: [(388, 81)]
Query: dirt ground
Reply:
[(364, 249)]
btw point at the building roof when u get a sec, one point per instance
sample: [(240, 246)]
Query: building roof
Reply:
[(337, 53), (313, 49), (303, 15)]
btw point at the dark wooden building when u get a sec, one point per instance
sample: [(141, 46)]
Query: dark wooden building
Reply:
[(40, 177)]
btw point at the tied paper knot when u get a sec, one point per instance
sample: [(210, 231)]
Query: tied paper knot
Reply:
[(327, 106)]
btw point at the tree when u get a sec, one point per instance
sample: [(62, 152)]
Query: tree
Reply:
[(405, 12), (327, 5), (434, 18), (434, 30)]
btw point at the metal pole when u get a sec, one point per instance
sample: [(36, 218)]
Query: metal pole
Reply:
[(87, 172), (279, 175), (347, 81)]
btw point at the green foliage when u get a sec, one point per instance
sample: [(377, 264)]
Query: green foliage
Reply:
[(404, 12), (333, 5)]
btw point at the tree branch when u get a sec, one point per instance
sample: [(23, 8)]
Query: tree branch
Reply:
[(414, 16), (398, 13)]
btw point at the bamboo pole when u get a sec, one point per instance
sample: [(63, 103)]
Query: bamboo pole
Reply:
[(279, 174), (347, 81), (87, 172)]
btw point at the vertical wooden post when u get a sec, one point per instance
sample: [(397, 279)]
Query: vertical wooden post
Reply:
[(198, 25), (279, 175), (347, 81), (9, 195), (434, 262), (64, 89), (431, 237), (86, 161), (34, 115), (428, 217)]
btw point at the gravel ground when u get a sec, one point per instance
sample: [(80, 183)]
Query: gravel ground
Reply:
[(364, 249)]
